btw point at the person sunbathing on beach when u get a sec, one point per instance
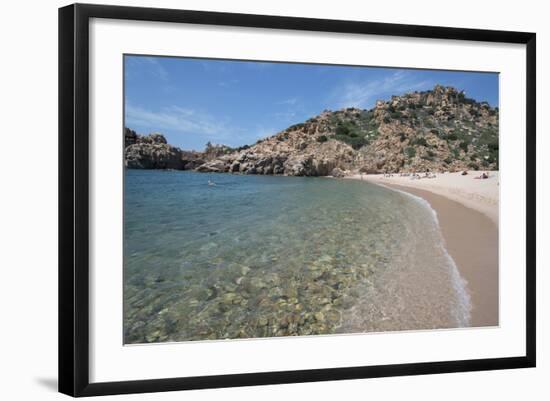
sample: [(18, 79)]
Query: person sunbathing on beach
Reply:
[(483, 176), (464, 173)]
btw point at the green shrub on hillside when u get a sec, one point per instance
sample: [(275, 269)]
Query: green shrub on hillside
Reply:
[(464, 146), (410, 152), (356, 142), (493, 146), (296, 127), (322, 138), (452, 136), (348, 132), (346, 128), (419, 141), (396, 115)]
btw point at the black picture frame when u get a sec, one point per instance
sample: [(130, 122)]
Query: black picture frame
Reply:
[(74, 198)]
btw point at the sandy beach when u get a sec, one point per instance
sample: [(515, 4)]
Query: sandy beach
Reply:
[(467, 210)]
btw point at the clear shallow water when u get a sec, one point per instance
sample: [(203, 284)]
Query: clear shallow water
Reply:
[(262, 256)]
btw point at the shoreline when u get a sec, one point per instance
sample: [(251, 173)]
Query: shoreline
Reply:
[(479, 195), (474, 251)]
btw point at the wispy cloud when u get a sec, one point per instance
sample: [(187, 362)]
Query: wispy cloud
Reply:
[(140, 66), (364, 93), (285, 115), (228, 83), (289, 109), (262, 132), (177, 119), (156, 68), (289, 102), (217, 66)]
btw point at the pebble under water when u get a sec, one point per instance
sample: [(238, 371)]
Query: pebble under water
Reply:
[(264, 256)]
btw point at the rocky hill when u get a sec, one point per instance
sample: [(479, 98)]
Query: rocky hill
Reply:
[(436, 130)]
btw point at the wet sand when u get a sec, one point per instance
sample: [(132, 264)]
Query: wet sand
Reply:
[(472, 241)]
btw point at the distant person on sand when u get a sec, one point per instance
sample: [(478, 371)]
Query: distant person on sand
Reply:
[(464, 173), (483, 176)]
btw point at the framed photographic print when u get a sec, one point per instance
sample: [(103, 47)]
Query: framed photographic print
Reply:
[(250, 199)]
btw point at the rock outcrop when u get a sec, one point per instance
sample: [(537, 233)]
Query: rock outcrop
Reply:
[(151, 152), (434, 130)]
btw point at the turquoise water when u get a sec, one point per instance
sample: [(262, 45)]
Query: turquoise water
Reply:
[(263, 256)]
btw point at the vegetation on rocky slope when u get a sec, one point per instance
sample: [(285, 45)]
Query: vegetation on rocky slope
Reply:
[(436, 130)]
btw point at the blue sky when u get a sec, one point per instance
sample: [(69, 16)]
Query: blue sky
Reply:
[(193, 101)]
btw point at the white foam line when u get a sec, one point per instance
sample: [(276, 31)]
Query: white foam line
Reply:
[(459, 283)]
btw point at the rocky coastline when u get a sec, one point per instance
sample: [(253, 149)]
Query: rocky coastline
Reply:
[(435, 130)]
